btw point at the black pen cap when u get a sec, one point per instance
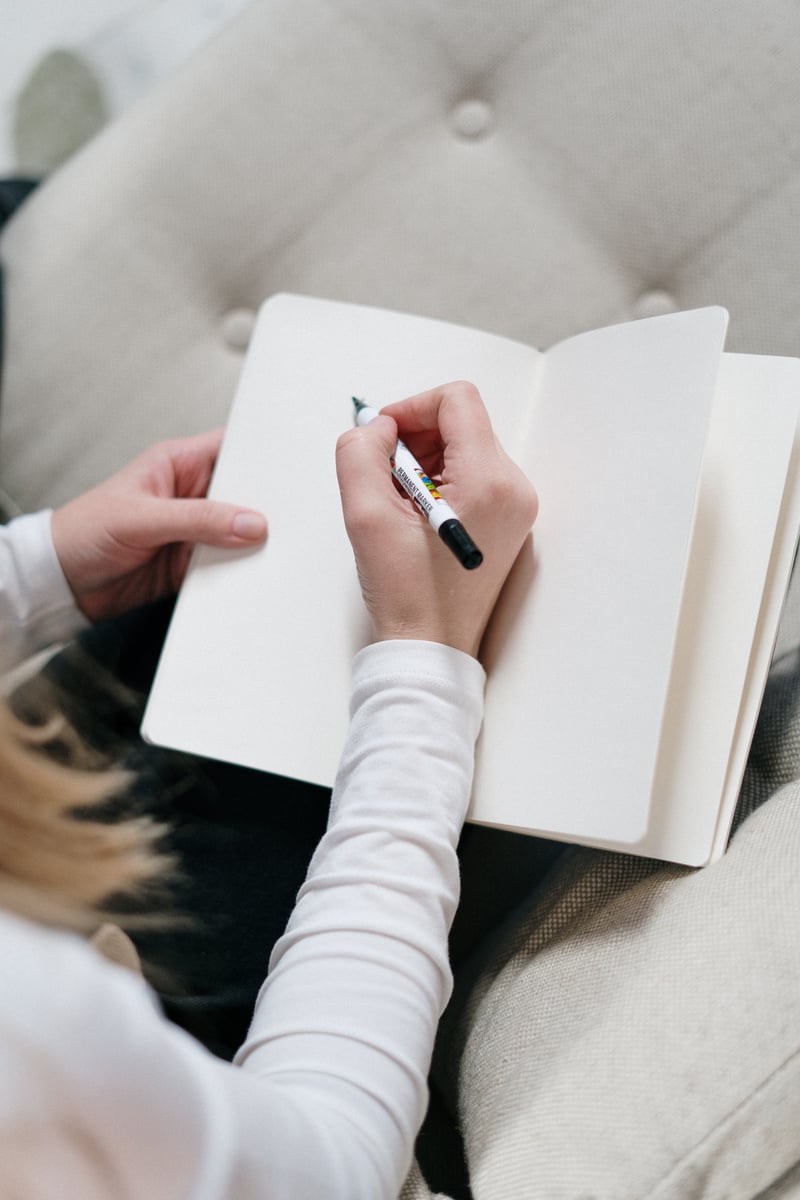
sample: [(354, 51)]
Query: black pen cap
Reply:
[(455, 536)]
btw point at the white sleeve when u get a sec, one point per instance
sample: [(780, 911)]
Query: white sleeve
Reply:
[(346, 1020), (330, 1089), (37, 607)]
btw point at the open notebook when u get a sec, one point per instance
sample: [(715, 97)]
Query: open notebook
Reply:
[(628, 653)]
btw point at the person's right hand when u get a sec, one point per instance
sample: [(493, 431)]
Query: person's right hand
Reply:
[(413, 585)]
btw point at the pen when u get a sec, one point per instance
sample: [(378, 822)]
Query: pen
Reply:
[(413, 480)]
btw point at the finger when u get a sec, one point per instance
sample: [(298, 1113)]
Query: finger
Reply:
[(185, 465), (203, 444), (461, 439), (209, 522), (453, 411), (364, 472)]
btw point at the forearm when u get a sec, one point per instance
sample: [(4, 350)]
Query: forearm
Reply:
[(347, 1017)]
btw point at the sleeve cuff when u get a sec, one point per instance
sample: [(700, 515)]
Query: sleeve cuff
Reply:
[(46, 608), (415, 660)]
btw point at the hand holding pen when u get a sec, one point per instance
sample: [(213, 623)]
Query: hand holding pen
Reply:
[(413, 585), (417, 484)]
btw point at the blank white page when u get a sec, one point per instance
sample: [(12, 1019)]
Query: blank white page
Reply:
[(256, 666), (579, 662), (702, 759)]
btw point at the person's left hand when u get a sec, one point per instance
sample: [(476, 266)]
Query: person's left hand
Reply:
[(128, 540)]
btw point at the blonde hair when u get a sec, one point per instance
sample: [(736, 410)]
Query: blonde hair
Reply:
[(60, 862)]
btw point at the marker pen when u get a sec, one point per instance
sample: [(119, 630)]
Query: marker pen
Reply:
[(413, 480)]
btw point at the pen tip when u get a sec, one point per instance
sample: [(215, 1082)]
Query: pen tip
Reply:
[(358, 404)]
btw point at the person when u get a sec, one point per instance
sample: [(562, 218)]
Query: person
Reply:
[(101, 1095)]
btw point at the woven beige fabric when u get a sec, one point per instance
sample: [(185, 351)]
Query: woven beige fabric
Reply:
[(534, 168), (635, 1029)]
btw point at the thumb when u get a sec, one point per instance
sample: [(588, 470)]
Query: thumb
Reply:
[(210, 522)]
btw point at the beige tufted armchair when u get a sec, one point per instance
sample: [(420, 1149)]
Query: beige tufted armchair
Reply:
[(533, 167)]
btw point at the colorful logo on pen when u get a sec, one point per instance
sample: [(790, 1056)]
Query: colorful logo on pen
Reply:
[(429, 484)]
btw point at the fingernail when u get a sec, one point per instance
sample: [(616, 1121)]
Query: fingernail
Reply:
[(249, 526)]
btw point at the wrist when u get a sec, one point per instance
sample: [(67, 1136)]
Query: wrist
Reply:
[(463, 640)]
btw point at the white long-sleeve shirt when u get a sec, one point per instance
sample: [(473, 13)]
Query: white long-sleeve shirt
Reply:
[(37, 607), (101, 1096)]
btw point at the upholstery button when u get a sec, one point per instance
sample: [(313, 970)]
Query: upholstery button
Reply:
[(472, 118), (237, 327), (655, 303)]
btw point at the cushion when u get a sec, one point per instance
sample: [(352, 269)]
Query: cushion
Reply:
[(563, 167)]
